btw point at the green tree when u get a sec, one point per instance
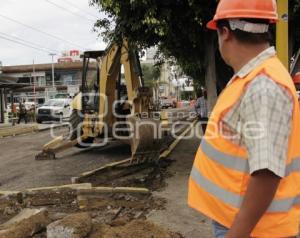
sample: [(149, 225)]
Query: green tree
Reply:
[(151, 74), (177, 27)]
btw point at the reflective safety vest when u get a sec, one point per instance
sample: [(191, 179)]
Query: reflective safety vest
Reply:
[(220, 173)]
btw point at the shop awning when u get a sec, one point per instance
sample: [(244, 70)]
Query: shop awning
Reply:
[(8, 82)]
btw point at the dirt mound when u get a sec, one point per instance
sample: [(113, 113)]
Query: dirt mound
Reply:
[(136, 228)]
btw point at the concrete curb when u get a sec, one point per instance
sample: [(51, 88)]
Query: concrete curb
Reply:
[(21, 130), (54, 127), (14, 131)]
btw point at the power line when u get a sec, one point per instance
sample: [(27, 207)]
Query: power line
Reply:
[(40, 31), (30, 43), (24, 44), (79, 8), (71, 12)]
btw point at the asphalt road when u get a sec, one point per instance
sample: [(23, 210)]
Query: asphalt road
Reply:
[(19, 169)]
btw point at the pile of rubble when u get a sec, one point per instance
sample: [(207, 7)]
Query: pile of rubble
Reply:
[(80, 211)]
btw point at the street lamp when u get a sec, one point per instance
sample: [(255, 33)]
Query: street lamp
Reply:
[(52, 55)]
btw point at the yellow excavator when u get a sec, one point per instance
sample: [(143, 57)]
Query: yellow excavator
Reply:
[(113, 104)]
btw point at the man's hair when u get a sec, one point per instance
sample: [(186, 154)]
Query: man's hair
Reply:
[(247, 37)]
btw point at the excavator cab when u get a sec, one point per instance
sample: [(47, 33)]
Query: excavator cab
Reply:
[(90, 80)]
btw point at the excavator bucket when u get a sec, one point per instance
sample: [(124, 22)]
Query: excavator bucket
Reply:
[(55, 146), (47, 153), (146, 141)]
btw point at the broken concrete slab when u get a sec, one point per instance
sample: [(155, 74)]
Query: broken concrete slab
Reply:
[(71, 186), (76, 225), (24, 214), (7, 193), (25, 224), (48, 196), (113, 190)]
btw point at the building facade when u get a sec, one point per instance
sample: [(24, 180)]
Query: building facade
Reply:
[(166, 88), (67, 76)]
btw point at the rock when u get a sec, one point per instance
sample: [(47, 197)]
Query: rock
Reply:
[(8, 211), (73, 226), (10, 199), (94, 214), (139, 215), (57, 216), (27, 223)]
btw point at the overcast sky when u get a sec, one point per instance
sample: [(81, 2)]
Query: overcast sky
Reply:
[(45, 16)]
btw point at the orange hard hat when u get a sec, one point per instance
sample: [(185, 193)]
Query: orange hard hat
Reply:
[(237, 9), (296, 78)]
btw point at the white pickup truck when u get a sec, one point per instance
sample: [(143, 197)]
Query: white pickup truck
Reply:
[(54, 110)]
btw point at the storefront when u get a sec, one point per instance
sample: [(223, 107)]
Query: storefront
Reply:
[(7, 88)]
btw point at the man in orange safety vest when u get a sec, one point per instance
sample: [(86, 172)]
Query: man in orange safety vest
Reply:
[(246, 173)]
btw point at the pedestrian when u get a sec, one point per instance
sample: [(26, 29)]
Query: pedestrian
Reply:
[(201, 109), (246, 173), (22, 112)]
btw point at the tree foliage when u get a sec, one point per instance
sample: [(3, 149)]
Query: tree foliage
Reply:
[(151, 74), (176, 26)]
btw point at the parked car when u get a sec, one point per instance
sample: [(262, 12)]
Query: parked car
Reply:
[(54, 110), (167, 103), (62, 96)]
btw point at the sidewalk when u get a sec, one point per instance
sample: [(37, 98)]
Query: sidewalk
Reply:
[(18, 129)]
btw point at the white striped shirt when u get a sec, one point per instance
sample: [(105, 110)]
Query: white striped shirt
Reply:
[(269, 104)]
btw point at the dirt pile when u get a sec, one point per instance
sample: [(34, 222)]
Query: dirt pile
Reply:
[(149, 175), (133, 229)]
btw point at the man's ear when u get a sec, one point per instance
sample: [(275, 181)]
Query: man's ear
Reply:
[(225, 33)]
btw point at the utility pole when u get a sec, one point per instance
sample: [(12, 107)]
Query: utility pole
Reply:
[(282, 32), (34, 92), (52, 55)]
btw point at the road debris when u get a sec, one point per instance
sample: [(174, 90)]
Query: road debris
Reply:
[(73, 226), (25, 224), (136, 228)]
